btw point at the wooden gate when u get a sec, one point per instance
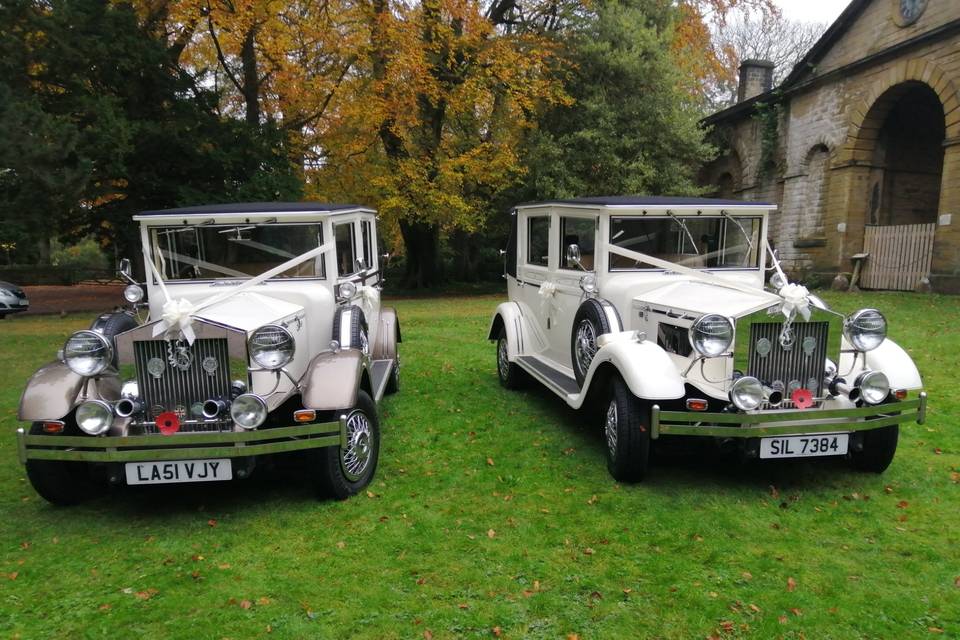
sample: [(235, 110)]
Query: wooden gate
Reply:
[(900, 256)]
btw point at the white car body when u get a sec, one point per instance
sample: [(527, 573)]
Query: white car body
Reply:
[(650, 300)]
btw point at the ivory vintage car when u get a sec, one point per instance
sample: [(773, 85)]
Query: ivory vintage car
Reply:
[(264, 335), (658, 310)]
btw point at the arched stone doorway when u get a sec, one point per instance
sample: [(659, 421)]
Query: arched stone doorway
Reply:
[(907, 163), (890, 185)]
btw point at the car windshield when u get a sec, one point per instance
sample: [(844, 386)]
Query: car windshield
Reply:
[(235, 251), (728, 242)]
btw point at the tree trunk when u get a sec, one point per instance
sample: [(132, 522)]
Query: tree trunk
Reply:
[(422, 242), (251, 78)]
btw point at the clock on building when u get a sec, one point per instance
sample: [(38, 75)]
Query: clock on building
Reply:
[(907, 11)]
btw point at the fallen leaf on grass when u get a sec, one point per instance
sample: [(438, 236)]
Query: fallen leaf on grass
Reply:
[(934, 629), (491, 533), (698, 537), (196, 575), (427, 634), (592, 500), (13, 575), (572, 636), (754, 608), (782, 619), (421, 580), (490, 461), (496, 631), (24, 545), (341, 544), (463, 605), (903, 504), (791, 584), (796, 612), (104, 607), (225, 565), (747, 575), (955, 476), (588, 551), (727, 626), (212, 522), (956, 582), (263, 601), (773, 492), (146, 595), (245, 604)]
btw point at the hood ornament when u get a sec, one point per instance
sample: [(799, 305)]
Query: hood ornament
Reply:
[(179, 355)]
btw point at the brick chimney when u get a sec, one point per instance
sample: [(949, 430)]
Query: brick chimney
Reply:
[(756, 77)]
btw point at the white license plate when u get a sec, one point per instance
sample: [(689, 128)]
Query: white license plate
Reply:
[(24, 303), (179, 471), (821, 444)]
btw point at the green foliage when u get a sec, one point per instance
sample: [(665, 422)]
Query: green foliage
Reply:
[(86, 254), (631, 129), (705, 544), (99, 123), (768, 117)]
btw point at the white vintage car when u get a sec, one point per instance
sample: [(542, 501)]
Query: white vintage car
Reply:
[(658, 311), (264, 335)]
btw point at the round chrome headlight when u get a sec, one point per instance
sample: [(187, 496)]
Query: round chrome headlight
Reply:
[(588, 283), (746, 393), (874, 387), (133, 293), (865, 329), (248, 411), (271, 346), (94, 417), (711, 335), (87, 353), (346, 290)]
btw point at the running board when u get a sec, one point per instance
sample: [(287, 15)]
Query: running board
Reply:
[(379, 376), (557, 381)]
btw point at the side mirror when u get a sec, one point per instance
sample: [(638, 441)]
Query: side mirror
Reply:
[(125, 271), (573, 256), (360, 264)]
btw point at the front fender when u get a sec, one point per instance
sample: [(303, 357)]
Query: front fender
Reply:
[(388, 335), (891, 359), (332, 380), (645, 367), (51, 393), (508, 318)]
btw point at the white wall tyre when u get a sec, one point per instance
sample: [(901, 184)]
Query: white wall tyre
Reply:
[(345, 471), (626, 433), (350, 328)]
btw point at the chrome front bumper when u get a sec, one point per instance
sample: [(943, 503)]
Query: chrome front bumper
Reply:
[(776, 423), (181, 446)]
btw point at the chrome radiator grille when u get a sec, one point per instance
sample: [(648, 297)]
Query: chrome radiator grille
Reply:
[(182, 389), (801, 363)]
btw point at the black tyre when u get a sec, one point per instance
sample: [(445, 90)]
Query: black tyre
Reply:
[(58, 482), (350, 328), (109, 325), (879, 447), (393, 383), (594, 318), (343, 472), (511, 376), (626, 430)]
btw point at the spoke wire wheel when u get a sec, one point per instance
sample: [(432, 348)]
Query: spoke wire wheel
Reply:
[(503, 362), (364, 341), (610, 429), (355, 457), (586, 347)]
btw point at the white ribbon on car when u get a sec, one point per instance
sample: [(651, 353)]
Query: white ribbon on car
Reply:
[(796, 299), (547, 291), (369, 296), (702, 276), (179, 314)]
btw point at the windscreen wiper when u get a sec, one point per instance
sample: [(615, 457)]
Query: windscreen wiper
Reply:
[(683, 225), (743, 231)]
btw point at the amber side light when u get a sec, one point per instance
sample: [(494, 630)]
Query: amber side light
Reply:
[(900, 394), (53, 427), (696, 404), (304, 415)]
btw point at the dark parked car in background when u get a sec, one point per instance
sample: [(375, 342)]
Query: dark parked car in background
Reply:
[(12, 299)]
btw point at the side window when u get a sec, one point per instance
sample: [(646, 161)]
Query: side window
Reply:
[(366, 232), (581, 232), (538, 241), (346, 258)]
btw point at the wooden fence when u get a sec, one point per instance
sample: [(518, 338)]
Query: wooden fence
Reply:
[(900, 256)]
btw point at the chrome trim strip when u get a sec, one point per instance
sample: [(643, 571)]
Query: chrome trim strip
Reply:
[(22, 445), (184, 446)]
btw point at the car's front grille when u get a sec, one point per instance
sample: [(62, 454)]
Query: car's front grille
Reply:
[(203, 374), (800, 362)]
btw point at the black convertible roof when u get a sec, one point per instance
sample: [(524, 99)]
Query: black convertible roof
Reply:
[(256, 207), (650, 201)]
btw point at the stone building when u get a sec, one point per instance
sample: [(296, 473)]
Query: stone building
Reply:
[(859, 147)]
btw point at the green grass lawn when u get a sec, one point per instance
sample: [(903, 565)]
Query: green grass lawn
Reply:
[(492, 515)]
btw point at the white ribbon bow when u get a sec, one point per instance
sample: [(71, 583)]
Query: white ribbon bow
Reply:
[(796, 299), (369, 296), (178, 314), (547, 292)]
